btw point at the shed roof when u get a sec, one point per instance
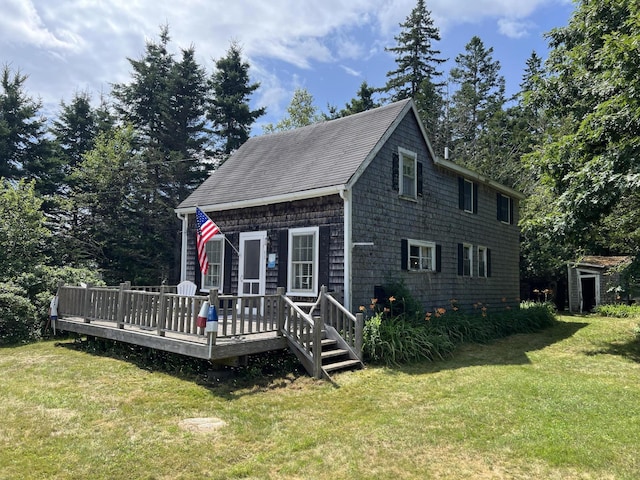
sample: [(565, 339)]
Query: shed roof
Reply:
[(602, 261)]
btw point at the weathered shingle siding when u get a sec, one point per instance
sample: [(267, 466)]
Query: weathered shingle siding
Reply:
[(382, 217), (325, 211)]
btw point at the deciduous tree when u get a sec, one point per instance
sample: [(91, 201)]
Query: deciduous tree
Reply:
[(300, 113)]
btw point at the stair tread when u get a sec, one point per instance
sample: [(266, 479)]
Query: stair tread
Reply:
[(339, 365), (333, 353), (326, 342)]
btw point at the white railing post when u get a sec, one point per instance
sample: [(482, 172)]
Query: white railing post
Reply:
[(121, 305)]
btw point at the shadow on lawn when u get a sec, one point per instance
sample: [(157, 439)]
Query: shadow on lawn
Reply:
[(510, 350), (629, 350), (267, 371)]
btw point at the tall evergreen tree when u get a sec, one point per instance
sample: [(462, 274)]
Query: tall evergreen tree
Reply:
[(416, 72), (230, 110), (416, 58), (24, 151), (476, 106), (113, 229), (75, 129), (165, 103), (363, 102)]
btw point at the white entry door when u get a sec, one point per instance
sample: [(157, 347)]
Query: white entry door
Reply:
[(252, 264)]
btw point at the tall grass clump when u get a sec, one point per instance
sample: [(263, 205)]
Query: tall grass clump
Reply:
[(618, 310), (403, 338)]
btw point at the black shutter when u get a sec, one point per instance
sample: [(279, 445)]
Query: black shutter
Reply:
[(460, 259), (323, 261), (229, 252), (395, 171), (498, 206), (438, 258), (419, 179), (404, 253), (475, 197), (283, 254), (511, 210), (461, 193), (488, 262)]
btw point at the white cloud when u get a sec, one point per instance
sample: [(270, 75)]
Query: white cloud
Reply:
[(66, 45), (351, 71), (514, 28), (20, 24)]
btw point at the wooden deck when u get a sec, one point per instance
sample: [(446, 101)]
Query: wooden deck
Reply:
[(184, 344), (161, 319)]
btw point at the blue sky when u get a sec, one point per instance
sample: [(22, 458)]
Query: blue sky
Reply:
[(328, 47)]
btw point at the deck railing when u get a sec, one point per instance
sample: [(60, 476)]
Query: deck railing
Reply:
[(164, 312), (161, 312)]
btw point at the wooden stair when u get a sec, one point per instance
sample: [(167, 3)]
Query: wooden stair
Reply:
[(336, 357)]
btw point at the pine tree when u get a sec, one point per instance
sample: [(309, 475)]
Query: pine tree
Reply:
[(476, 107), (24, 152), (165, 103), (416, 58), (363, 102), (229, 110)]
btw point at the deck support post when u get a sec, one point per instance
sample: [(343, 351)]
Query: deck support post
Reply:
[(281, 317), (87, 303), (162, 311)]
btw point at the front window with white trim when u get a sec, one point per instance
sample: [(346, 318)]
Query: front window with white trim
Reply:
[(303, 261), (409, 173), (422, 256), (215, 256)]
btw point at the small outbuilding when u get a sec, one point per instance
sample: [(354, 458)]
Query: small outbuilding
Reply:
[(595, 280)]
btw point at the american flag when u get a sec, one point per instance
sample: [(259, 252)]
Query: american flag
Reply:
[(205, 230)]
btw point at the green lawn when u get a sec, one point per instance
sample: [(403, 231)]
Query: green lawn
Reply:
[(561, 404)]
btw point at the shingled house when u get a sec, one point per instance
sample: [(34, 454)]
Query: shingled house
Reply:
[(353, 204)]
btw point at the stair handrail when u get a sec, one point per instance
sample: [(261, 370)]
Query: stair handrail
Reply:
[(355, 342), (314, 355)]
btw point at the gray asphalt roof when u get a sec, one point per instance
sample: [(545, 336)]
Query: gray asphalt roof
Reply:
[(317, 156)]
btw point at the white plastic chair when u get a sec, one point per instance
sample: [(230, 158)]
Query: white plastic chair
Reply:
[(187, 288)]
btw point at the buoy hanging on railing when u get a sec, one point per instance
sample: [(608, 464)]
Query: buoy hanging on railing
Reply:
[(212, 320), (201, 321)]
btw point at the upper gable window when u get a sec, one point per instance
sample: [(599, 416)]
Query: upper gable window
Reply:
[(408, 173), (468, 195), (505, 208)]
